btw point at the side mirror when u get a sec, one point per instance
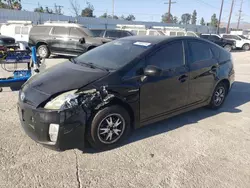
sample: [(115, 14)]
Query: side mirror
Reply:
[(82, 40), (152, 70)]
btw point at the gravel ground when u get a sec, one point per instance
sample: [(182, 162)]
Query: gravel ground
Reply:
[(201, 148)]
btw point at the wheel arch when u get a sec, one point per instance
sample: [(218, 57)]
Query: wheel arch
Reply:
[(127, 107), (41, 43)]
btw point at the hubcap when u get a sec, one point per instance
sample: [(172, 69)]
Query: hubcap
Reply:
[(111, 128), (42, 51), (219, 96)]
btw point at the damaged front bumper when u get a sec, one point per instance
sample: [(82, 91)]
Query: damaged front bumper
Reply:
[(70, 122)]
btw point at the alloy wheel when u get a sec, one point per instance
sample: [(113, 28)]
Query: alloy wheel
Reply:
[(219, 96), (111, 128)]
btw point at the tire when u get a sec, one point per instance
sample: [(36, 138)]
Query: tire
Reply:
[(246, 47), (103, 136), (228, 48), (91, 48), (219, 96), (43, 51)]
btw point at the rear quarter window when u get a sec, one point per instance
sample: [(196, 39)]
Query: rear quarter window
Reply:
[(40, 30)]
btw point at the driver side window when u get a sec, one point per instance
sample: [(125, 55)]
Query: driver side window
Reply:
[(168, 57)]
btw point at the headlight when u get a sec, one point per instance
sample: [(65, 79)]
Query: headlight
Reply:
[(58, 102)]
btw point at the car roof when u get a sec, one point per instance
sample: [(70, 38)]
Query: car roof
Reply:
[(157, 39)]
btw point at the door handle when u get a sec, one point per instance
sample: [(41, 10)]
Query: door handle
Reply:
[(183, 78)]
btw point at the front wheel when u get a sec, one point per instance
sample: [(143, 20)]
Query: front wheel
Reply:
[(246, 47), (109, 127), (228, 48), (219, 96)]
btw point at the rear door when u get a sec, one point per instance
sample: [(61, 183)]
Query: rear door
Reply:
[(25, 33), (203, 70), (60, 40)]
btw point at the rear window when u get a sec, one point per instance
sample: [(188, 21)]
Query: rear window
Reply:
[(204, 36), (7, 41), (40, 30)]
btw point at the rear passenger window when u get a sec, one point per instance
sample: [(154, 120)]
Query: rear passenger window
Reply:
[(17, 29), (169, 56), (199, 51), (113, 34), (40, 30), (61, 31)]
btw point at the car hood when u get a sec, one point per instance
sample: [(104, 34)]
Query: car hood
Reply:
[(63, 77)]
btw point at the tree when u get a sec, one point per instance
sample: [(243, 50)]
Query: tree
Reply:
[(194, 18), (49, 11), (202, 21), (75, 7), (88, 11), (105, 15), (185, 18), (130, 17), (39, 9), (11, 4), (175, 20), (214, 21), (164, 18)]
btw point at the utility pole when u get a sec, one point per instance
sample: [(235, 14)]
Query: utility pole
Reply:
[(221, 8), (58, 9), (169, 9), (240, 11), (113, 8), (229, 20)]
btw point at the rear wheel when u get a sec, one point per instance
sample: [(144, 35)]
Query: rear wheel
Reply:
[(109, 127), (228, 48), (246, 47), (219, 96), (43, 51)]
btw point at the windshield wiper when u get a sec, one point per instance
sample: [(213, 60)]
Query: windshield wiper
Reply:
[(93, 66)]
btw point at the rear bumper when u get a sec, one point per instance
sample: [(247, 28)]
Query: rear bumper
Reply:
[(36, 123)]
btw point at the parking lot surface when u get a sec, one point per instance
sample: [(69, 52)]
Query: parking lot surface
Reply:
[(201, 148)]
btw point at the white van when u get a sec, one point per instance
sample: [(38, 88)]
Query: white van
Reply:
[(175, 31), (140, 30), (19, 30)]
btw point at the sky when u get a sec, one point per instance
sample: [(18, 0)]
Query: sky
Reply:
[(151, 10)]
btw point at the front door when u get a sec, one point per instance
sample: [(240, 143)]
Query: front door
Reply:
[(203, 69), (168, 92), (75, 46)]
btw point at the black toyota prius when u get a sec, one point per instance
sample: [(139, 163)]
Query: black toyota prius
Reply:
[(102, 95)]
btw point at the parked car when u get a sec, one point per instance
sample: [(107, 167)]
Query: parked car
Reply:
[(241, 42), (19, 30), (7, 43), (111, 33), (217, 39), (125, 84), (62, 38)]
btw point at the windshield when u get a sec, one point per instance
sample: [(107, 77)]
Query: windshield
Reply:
[(113, 55), (243, 37), (87, 31), (161, 33)]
